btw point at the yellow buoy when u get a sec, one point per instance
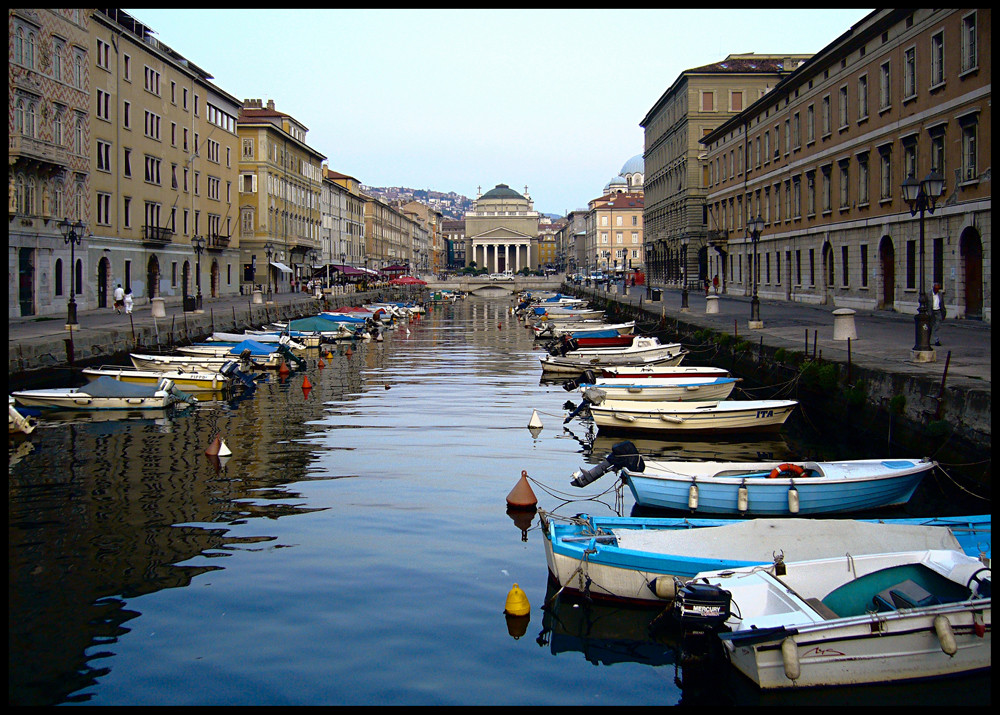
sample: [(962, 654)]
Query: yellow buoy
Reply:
[(517, 602)]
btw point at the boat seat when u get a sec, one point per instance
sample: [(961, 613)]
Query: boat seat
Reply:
[(821, 608), (907, 594)]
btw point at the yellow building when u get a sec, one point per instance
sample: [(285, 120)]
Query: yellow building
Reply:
[(387, 235), (163, 168), (614, 232), (280, 181)]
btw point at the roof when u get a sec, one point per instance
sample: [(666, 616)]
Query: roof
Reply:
[(633, 166), (501, 191)]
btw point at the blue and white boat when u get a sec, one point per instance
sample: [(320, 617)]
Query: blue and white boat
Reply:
[(776, 488), (636, 559)]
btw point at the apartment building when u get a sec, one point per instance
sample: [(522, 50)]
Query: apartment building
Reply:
[(49, 167), (823, 156), (164, 168), (677, 237), (387, 236), (453, 240), (614, 232), (428, 251), (280, 180), (571, 242), (352, 219)]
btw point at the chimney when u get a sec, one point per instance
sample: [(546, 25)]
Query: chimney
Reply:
[(270, 104)]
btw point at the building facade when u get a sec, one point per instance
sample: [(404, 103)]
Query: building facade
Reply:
[(280, 181), (699, 100), (614, 233), (502, 231), (388, 238), (453, 239), (49, 166), (822, 159)]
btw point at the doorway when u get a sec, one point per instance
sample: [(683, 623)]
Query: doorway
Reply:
[(103, 281), (26, 280), (887, 266), (970, 249)]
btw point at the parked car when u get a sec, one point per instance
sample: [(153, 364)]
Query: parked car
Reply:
[(505, 276)]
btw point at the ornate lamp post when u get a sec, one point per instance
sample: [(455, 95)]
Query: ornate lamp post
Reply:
[(198, 244), (755, 226), (269, 251), (73, 235), (921, 196)]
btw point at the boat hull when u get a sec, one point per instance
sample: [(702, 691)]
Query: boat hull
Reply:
[(770, 497), (687, 389), (73, 399), (728, 416)]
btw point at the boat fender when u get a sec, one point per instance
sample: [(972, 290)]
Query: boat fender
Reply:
[(693, 496), (793, 500), (790, 659), (664, 587), (945, 634), (671, 418), (742, 498), (790, 470)]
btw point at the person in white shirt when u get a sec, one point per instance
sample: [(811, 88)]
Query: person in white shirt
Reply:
[(119, 299), (938, 312), (128, 303)]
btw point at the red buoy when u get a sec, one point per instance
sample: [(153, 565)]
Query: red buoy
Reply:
[(521, 496), (213, 447)]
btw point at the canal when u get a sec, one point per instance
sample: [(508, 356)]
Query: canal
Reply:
[(355, 549)]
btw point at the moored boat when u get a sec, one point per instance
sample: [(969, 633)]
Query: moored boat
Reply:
[(848, 620), (105, 393), (709, 416), (636, 559), (642, 351), (16, 422), (663, 389), (190, 381)]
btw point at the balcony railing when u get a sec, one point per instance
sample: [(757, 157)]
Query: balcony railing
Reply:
[(37, 150), (217, 242), (156, 234)]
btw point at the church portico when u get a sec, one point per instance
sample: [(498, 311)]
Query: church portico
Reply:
[(502, 231)]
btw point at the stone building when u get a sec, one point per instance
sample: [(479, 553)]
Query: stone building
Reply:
[(502, 231), (823, 156), (677, 236)]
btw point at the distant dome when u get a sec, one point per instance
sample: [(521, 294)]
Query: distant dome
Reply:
[(502, 191), (635, 165), (619, 183)]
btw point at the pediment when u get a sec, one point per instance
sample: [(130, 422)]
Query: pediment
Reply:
[(501, 233)]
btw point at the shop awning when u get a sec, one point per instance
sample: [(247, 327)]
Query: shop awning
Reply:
[(281, 267)]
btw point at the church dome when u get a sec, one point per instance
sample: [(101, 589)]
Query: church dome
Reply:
[(635, 165), (502, 191), (619, 183)]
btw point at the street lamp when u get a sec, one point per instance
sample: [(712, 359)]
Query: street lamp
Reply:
[(269, 251), (921, 196), (198, 244), (73, 235), (755, 226), (684, 273), (313, 255)]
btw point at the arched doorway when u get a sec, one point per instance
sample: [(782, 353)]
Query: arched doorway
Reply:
[(26, 280), (829, 273), (215, 279), (103, 281), (970, 249), (887, 269), (153, 277)]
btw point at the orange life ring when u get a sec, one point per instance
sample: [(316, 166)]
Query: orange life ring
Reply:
[(793, 470)]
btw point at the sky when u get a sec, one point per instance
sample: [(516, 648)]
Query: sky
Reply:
[(463, 100)]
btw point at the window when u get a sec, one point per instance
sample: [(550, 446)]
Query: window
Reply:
[(103, 54), (937, 59), (127, 68), (810, 193), (843, 107), (248, 183), (970, 57), (844, 277), (826, 188), (58, 48), (151, 125), (937, 150), (845, 185), (707, 101), (127, 162), (885, 88), (864, 265), (736, 101), (911, 265), (863, 179), (862, 97), (909, 73), (810, 125), (103, 156), (910, 156), (152, 81), (152, 170), (969, 146), (103, 208), (103, 105), (127, 114), (127, 212), (797, 196), (58, 277), (827, 117), (248, 148), (885, 173)]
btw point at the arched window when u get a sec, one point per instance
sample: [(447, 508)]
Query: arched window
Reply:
[(19, 46), (29, 120), (57, 129), (78, 137), (19, 117), (79, 277), (59, 276)]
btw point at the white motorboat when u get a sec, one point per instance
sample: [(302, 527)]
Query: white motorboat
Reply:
[(656, 372), (191, 381), (580, 329), (105, 393), (848, 620), (663, 389), (711, 416), (642, 351), (192, 363)]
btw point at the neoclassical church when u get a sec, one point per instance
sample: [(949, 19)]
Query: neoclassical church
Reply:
[(502, 231)]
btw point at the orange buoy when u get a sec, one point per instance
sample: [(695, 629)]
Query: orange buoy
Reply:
[(521, 496), (306, 385), (213, 447), (284, 369), (321, 364)]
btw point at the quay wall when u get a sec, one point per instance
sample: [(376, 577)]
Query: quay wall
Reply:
[(925, 412)]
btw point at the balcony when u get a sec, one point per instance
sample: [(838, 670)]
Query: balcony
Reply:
[(217, 243), (156, 235), (37, 151)]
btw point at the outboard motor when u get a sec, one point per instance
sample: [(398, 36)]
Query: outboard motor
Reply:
[(701, 607), (623, 455), (289, 355), (591, 396), (586, 378), (231, 369)]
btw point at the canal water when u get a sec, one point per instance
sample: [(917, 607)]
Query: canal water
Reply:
[(355, 549)]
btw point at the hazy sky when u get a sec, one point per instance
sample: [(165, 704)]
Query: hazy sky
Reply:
[(452, 100)]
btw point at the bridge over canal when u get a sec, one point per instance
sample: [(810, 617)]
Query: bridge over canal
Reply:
[(483, 286)]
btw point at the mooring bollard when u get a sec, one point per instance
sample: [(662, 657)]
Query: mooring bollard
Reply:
[(843, 324)]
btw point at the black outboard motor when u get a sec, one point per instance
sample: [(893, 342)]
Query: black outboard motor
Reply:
[(623, 455), (231, 369), (586, 378), (286, 353), (701, 607), (591, 396)]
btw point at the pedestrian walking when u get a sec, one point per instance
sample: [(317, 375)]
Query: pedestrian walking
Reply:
[(938, 311), (119, 299), (129, 302), (715, 283)]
